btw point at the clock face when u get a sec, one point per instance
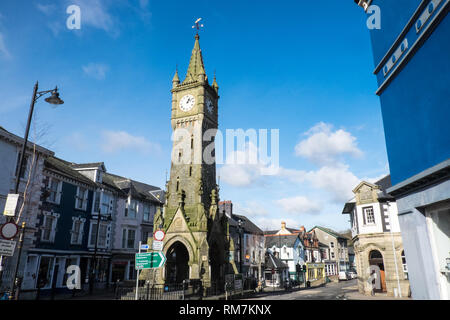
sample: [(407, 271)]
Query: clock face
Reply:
[(209, 105), (187, 102)]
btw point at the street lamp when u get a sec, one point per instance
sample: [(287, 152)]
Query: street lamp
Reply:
[(53, 99)]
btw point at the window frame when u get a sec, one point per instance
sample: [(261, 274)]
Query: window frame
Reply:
[(365, 216), (52, 229), (83, 199)]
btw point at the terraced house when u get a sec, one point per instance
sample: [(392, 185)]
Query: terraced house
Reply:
[(90, 219), (336, 258)]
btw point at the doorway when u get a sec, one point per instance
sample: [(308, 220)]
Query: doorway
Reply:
[(376, 259), (177, 268)]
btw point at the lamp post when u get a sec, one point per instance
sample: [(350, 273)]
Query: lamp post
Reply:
[(53, 99), (240, 245)]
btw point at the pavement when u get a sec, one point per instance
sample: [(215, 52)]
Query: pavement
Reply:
[(344, 290)]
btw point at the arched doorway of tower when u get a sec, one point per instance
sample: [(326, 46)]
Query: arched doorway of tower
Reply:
[(376, 259), (177, 268), (215, 263)]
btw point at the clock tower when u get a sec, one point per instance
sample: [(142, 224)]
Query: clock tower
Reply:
[(196, 242)]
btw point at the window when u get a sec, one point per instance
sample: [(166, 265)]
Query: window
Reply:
[(54, 187), (81, 198), (128, 238), (24, 165), (146, 214), (145, 236), (331, 244), (96, 202), (77, 230), (369, 217), (107, 203), (48, 229), (132, 209), (332, 255), (405, 266), (102, 235)]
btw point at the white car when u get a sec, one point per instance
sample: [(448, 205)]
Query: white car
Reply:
[(352, 274), (343, 275)]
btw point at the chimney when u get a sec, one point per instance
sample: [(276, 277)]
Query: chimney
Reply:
[(226, 207), (283, 225)]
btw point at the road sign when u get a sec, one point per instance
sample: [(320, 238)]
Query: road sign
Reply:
[(144, 246), (9, 230), (157, 245), (150, 260), (11, 205), (159, 235), (7, 248)]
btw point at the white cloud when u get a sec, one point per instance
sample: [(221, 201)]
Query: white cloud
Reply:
[(243, 167), (115, 141), (46, 9), (299, 204), (337, 180), (95, 14), (324, 146), (96, 70), (250, 209), (265, 223)]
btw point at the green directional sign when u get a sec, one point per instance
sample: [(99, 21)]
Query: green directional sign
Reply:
[(150, 260)]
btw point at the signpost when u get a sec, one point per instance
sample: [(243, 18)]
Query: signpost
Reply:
[(7, 248), (157, 245), (11, 205), (150, 260), (9, 230)]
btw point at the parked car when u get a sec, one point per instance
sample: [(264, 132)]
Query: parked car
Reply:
[(352, 274), (343, 275)]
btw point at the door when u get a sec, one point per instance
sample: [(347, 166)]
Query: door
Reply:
[(30, 276)]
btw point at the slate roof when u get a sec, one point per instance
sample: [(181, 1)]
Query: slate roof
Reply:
[(292, 230), (135, 188), (63, 167), (331, 232), (278, 241), (348, 207), (272, 262), (247, 225), (384, 184)]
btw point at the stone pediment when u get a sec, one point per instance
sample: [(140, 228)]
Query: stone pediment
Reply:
[(366, 192), (179, 223)]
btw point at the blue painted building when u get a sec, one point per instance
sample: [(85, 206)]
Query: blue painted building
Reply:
[(411, 51), (66, 231)]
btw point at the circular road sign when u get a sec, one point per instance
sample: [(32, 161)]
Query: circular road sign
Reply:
[(159, 235), (9, 230)]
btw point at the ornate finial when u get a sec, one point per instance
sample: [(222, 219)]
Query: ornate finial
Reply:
[(197, 26), (213, 196)]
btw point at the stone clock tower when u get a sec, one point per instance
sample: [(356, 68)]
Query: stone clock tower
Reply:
[(196, 243)]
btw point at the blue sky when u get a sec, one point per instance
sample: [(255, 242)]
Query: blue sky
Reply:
[(303, 67)]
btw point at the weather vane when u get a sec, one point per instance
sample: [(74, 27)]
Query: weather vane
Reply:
[(197, 24)]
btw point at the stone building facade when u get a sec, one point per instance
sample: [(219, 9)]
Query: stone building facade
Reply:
[(377, 240), (30, 185)]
